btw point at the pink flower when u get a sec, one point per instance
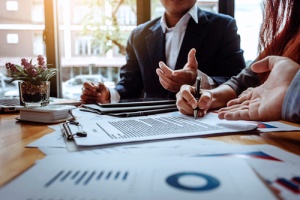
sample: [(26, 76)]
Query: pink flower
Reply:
[(31, 71), (41, 61), (12, 67)]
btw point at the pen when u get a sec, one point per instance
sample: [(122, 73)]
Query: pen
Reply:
[(197, 95)]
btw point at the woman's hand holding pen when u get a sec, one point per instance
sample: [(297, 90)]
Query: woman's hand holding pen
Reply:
[(187, 103), (94, 93)]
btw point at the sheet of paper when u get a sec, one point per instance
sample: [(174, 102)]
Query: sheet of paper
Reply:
[(162, 126), (99, 177), (54, 139), (279, 168), (276, 126), (283, 177), (154, 144), (263, 152), (248, 152)]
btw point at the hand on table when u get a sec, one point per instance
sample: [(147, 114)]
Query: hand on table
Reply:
[(94, 93)]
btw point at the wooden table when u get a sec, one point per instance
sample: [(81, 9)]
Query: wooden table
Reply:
[(15, 158)]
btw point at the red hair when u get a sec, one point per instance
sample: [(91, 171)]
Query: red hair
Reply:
[(279, 33)]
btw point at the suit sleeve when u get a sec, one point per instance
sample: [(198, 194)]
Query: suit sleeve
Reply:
[(230, 56), (130, 84), (245, 79)]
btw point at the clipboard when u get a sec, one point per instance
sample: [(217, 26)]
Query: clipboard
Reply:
[(71, 129)]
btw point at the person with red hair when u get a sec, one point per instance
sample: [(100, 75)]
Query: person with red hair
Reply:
[(249, 95)]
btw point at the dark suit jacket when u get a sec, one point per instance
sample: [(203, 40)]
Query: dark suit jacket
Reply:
[(217, 47)]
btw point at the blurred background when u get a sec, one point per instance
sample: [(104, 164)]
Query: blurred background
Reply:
[(89, 37)]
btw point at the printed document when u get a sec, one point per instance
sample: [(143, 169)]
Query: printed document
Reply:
[(155, 127)]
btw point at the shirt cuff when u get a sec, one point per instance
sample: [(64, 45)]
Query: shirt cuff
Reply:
[(114, 95)]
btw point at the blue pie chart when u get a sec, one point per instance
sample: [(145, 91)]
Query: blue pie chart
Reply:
[(211, 182)]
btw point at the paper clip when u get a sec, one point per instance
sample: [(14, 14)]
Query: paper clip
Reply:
[(69, 132)]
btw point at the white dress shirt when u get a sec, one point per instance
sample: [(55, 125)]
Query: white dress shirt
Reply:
[(174, 35)]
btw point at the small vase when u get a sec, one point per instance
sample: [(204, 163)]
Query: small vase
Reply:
[(35, 94)]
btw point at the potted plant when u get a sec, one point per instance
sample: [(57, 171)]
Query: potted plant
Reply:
[(34, 81)]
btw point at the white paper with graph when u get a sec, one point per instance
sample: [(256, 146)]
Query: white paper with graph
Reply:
[(156, 127), (84, 177)]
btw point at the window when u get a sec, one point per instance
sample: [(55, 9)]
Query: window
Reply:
[(37, 14), (12, 38), (21, 34), (248, 27), (38, 44), (92, 37), (12, 5)]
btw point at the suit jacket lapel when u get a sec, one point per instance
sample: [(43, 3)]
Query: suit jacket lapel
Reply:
[(194, 34), (156, 45)]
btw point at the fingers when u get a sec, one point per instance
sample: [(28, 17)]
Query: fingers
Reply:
[(248, 110), (190, 67), (236, 115), (94, 92), (185, 100), (90, 86), (205, 101), (165, 70), (265, 64), (171, 86), (235, 112), (246, 95), (192, 61), (166, 78)]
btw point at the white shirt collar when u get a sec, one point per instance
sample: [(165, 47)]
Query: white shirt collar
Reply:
[(193, 12)]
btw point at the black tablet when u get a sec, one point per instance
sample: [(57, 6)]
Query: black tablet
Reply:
[(139, 102)]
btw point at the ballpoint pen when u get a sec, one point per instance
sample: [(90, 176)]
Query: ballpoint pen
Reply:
[(197, 95)]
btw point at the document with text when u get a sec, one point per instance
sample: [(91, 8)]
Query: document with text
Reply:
[(156, 127)]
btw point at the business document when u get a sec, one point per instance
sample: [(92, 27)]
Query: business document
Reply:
[(156, 127)]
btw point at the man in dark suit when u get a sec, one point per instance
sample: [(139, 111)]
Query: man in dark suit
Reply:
[(162, 54)]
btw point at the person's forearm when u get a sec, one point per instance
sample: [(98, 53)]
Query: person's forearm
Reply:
[(221, 95)]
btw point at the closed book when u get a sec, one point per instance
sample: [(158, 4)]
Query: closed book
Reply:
[(50, 113)]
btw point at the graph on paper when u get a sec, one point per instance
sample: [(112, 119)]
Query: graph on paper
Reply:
[(86, 177)]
